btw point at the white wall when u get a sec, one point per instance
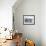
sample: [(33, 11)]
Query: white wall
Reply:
[(43, 22), (29, 7), (6, 13)]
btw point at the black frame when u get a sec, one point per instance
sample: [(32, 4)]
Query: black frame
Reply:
[(30, 16)]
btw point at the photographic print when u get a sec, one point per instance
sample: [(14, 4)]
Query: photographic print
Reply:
[(28, 19)]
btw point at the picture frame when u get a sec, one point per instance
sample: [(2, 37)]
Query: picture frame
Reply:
[(29, 19)]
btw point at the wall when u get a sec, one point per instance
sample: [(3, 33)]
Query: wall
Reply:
[(29, 7), (6, 13), (43, 22)]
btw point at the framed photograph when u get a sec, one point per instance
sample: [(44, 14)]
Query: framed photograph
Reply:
[(28, 19)]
